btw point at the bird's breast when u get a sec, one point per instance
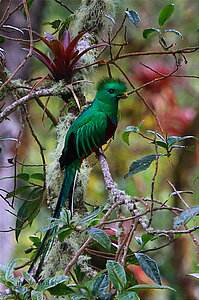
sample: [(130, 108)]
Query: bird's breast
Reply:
[(110, 130)]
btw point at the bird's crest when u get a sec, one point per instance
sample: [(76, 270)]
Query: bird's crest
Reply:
[(109, 80)]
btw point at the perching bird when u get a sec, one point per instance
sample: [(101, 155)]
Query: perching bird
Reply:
[(92, 129)]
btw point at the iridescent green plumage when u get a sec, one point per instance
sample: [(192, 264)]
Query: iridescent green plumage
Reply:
[(92, 129)]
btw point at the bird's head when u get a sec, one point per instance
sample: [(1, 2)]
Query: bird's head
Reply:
[(110, 89)]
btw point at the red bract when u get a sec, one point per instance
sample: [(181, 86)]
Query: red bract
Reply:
[(62, 66), (144, 75)]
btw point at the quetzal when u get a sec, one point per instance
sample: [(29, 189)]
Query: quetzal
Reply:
[(92, 129)]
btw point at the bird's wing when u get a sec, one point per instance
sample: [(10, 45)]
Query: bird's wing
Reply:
[(91, 135), (86, 134)]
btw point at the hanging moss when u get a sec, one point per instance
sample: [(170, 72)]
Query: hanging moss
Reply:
[(91, 15)]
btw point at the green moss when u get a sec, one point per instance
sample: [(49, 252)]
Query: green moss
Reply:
[(91, 15)]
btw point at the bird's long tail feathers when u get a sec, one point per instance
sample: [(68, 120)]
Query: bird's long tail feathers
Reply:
[(68, 185)]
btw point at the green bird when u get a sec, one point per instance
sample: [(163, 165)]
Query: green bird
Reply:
[(92, 129)]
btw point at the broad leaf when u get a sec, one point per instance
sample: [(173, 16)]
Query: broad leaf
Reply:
[(38, 176), (174, 31), (150, 267), (35, 240), (28, 210), (29, 279), (24, 176), (180, 192), (18, 191), (36, 295), (185, 217), (116, 274), (129, 129), (13, 28), (142, 164), (10, 269), (165, 14), (63, 233), (161, 138), (128, 296), (174, 139), (144, 239), (149, 287), (148, 31), (110, 17), (194, 275), (100, 236), (133, 17), (92, 215), (60, 290), (100, 285), (51, 282)]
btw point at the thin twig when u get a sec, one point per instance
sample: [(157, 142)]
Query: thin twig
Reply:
[(153, 182), (145, 102), (183, 201), (63, 5)]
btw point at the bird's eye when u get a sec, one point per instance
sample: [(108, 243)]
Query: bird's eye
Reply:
[(111, 91)]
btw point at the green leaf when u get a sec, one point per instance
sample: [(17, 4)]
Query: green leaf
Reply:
[(116, 274), (2, 40), (174, 31), (51, 282), (145, 238), (65, 25), (109, 17), (28, 210), (49, 226), (128, 296), (150, 267), (174, 139), (194, 275), (129, 129), (18, 191), (38, 176), (148, 31), (56, 23), (165, 14), (36, 295), (29, 279), (23, 176), (142, 164), (100, 285), (156, 134), (63, 234), (60, 290), (197, 177), (100, 236), (13, 28), (22, 215), (10, 269), (133, 17), (35, 240), (66, 216), (2, 271), (149, 287), (79, 297), (185, 217), (93, 215), (22, 290), (180, 192)]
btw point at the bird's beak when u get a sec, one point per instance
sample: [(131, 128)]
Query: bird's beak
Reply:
[(122, 96)]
